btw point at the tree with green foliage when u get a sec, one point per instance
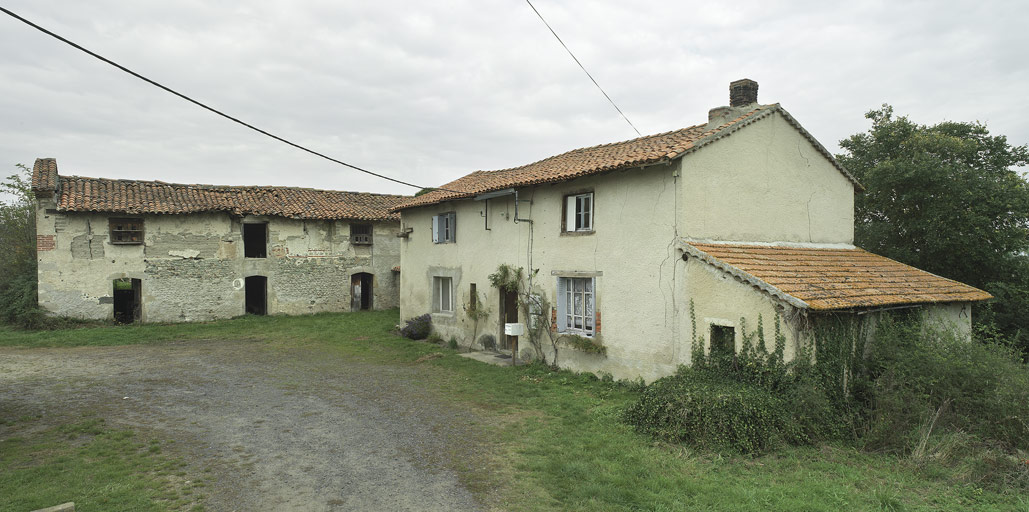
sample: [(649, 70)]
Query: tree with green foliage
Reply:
[(18, 251), (948, 199)]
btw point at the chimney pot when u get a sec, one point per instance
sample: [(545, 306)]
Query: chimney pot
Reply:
[(742, 92), (718, 114)]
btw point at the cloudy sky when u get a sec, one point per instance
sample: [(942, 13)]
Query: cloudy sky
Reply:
[(429, 91)]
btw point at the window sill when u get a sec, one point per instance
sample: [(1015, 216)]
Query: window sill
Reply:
[(581, 334), (577, 233)]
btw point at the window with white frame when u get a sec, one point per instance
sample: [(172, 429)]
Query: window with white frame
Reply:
[(444, 228), (442, 294), (579, 212), (576, 302)]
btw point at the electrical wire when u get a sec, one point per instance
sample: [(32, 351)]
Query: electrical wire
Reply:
[(584, 68), (206, 107)]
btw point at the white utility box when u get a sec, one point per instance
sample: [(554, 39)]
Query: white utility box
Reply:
[(514, 329)]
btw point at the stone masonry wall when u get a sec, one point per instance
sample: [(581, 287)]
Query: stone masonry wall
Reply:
[(192, 267)]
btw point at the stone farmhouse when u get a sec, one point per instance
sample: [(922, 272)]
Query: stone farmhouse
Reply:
[(694, 233), (151, 251)]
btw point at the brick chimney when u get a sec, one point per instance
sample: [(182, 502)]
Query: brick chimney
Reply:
[(742, 92)]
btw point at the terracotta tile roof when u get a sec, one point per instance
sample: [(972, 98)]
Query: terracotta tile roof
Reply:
[(643, 151), (79, 194), (832, 278), (44, 177)]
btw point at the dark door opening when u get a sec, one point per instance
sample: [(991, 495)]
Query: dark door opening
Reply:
[(361, 291), (128, 300), (510, 309), (257, 295), (255, 240)]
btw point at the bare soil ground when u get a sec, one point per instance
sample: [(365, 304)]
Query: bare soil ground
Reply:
[(266, 427)]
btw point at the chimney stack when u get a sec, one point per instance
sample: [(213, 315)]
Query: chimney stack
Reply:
[(742, 92)]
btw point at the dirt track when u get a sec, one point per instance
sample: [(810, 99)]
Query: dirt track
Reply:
[(267, 428)]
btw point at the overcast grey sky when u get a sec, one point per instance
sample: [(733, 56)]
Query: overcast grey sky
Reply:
[(429, 91)]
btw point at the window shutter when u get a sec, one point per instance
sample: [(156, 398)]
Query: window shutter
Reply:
[(453, 227), (570, 213), (435, 229), (562, 305)]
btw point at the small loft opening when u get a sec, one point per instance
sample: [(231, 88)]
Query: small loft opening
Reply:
[(255, 240)]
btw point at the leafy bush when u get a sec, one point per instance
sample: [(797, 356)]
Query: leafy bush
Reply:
[(924, 381), (417, 328), (452, 343), (18, 254), (488, 342), (748, 402), (707, 410)]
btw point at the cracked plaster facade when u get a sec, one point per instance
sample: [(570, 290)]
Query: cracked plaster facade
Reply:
[(192, 266)]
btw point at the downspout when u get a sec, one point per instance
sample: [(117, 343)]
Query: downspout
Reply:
[(516, 201)]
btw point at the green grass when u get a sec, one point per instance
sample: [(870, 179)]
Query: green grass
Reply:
[(90, 464), (560, 445)]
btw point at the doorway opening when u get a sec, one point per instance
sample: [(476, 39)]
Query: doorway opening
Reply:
[(128, 300), (509, 305), (257, 295), (361, 291)]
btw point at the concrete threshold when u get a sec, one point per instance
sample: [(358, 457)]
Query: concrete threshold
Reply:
[(495, 358)]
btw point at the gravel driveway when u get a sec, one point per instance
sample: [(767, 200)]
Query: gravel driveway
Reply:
[(272, 428)]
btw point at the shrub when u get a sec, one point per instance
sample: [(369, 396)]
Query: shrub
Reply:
[(417, 328), (709, 411), (452, 343), (751, 401), (924, 381), (488, 342)]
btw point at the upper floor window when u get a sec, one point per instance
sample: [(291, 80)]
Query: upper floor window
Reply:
[(579, 212), (255, 240), (361, 234), (126, 231), (444, 228)]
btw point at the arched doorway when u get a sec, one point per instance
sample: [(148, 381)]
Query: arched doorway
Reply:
[(361, 291)]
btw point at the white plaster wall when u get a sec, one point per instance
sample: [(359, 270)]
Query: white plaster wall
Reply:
[(954, 316), (721, 299), (192, 267), (766, 183), (632, 247)]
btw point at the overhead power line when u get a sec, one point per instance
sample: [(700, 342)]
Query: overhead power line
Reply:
[(583, 68), (206, 107)]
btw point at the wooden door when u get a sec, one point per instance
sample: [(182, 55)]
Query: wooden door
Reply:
[(355, 292), (511, 317)]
